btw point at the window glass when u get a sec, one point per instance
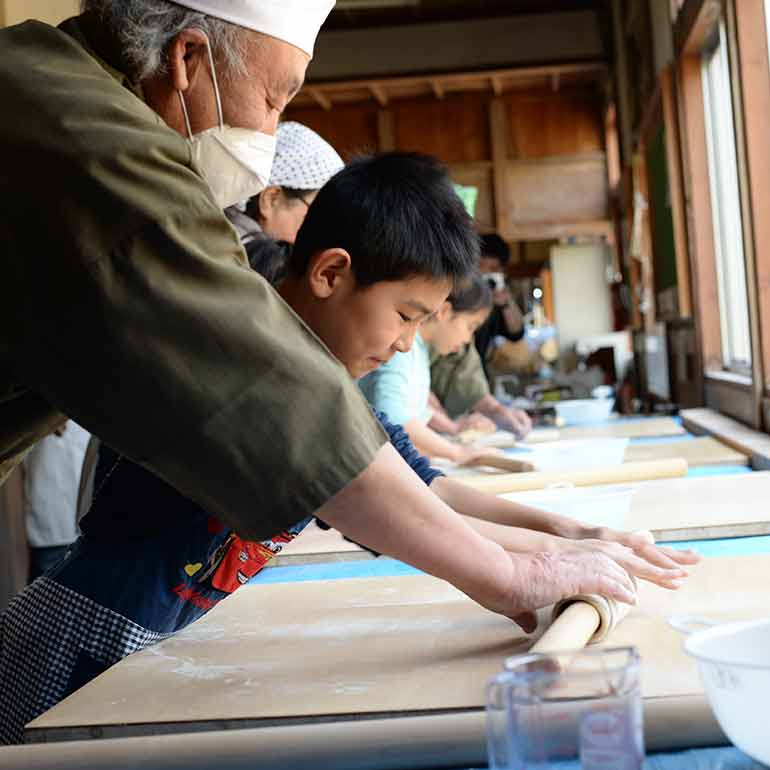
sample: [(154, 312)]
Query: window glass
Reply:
[(726, 209)]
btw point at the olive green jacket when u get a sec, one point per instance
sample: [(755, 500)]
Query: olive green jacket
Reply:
[(458, 380), (126, 303)]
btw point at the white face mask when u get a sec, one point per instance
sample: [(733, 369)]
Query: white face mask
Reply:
[(236, 162)]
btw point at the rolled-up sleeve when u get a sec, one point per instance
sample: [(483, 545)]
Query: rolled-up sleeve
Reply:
[(458, 380)]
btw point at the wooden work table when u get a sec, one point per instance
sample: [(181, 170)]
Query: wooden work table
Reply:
[(404, 646)]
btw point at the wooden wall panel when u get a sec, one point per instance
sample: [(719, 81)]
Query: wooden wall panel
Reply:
[(454, 129), (537, 157), (350, 129), (571, 189), (560, 123)]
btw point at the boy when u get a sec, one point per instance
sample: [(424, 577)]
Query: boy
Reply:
[(379, 252)]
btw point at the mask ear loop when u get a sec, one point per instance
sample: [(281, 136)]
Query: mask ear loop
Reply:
[(218, 99), (186, 116), (220, 114)]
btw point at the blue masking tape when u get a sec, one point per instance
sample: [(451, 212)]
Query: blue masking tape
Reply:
[(734, 546), (719, 470), (380, 567), (385, 567)]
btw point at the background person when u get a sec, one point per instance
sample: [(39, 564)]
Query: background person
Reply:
[(51, 475), (460, 386)]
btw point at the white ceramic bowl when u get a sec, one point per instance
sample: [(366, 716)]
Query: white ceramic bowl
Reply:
[(581, 411), (734, 664), (606, 506)]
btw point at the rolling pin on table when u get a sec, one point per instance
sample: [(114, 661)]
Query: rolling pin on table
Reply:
[(619, 474)]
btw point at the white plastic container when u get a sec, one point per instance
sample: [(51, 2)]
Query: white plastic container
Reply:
[(582, 411), (734, 664), (605, 506), (579, 454)]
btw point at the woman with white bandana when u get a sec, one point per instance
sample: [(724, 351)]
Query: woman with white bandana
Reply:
[(268, 223)]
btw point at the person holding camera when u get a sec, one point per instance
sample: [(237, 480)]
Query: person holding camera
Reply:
[(505, 319)]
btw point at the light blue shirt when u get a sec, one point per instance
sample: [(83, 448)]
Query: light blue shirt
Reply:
[(401, 387)]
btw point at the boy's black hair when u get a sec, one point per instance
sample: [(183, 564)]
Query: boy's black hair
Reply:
[(471, 295), (492, 245), (397, 215)]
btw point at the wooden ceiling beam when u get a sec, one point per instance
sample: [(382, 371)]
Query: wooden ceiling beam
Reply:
[(321, 98), (597, 68), (379, 93)]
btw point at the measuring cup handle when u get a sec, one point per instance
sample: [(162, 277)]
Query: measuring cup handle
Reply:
[(688, 624)]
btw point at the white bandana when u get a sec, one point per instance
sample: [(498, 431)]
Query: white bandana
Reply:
[(293, 21), (303, 160)]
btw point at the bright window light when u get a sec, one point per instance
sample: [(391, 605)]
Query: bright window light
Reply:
[(726, 208)]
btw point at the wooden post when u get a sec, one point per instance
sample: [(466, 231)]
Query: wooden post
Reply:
[(498, 131), (755, 87), (699, 215), (738, 88), (674, 169), (386, 131), (14, 554), (624, 91), (645, 246)]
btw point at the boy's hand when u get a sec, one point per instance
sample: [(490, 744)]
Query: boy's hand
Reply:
[(477, 422), (648, 563), (515, 420), (466, 454), (642, 543), (541, 579)]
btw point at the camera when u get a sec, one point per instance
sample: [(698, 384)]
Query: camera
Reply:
[(496, 281)]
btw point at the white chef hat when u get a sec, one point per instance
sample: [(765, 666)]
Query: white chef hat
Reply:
[(303, 160), (293, 21)]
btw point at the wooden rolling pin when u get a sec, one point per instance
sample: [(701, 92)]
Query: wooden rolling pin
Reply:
[(572, 629), (616, 474), (502, 462)]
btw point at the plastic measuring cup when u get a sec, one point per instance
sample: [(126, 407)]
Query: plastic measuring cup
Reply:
[(545, 709)]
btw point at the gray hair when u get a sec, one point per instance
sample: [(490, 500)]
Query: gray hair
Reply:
[(145, 28)]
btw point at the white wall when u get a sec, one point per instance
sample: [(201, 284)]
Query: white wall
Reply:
[(50, 11), (581, 293)]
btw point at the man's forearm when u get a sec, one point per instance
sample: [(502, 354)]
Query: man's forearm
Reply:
[(387, 508)]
